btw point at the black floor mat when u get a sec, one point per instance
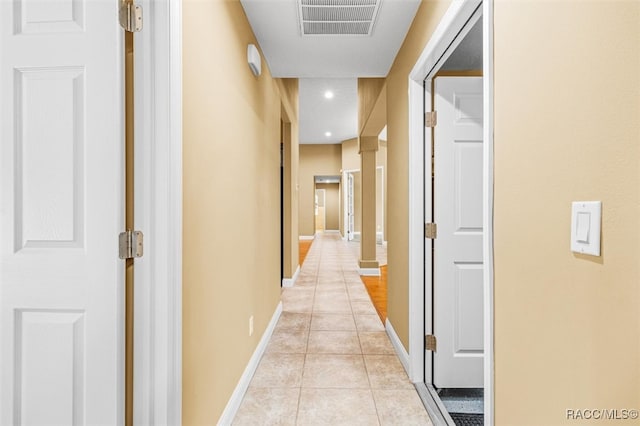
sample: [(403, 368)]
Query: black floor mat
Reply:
[(464, 419)]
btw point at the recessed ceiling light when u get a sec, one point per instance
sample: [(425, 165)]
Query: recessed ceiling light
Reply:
[(328, 94), (327, 134)]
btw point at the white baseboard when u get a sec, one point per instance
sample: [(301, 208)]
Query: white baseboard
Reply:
[(243, 384), (332, 231), (306, 237), (402, 353), (369, 272), (289, 282)]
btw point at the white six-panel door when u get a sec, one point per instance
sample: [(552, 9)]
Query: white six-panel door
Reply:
[(458, 266), (62, 207)]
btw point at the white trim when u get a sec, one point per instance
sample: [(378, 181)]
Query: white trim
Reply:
[(369, 272), (306, 237), (290, 282), (345, 207), (443, 39), (418, 266), (382, 230), (158, 200), (487, 214), (402, 353), (433, 409), (243, 384)]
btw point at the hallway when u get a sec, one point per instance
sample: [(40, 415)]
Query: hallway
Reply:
[(329, 361)]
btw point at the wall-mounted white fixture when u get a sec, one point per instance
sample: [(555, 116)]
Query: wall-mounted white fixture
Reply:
[(255, 62), (585, 227)]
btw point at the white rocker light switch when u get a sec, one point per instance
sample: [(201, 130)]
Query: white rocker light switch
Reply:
[(585, 227)]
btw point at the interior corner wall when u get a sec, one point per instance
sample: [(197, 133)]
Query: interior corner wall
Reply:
[(231, 205), (427, 18), (315, 160), (567, 128)]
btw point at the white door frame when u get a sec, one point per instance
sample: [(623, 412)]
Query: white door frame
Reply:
[(347, 228), (158, 214), (443, 40), (381, 168)]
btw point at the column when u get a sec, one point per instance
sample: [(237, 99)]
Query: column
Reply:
[(368, 262)]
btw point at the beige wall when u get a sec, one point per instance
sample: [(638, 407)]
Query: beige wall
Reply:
[(428, 15), (567, 117), (351, 161), (289, 115), (331, 205), (567, 114), (315, 160), (231, 231), (370, 99), (350, 155)]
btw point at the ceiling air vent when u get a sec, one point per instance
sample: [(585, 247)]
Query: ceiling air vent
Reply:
[(337, 17)]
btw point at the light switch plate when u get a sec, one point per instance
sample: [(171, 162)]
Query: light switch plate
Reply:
[(585, 227)]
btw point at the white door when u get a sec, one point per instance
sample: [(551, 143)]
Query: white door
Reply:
[(62, 207), (458, 282), (350, 209)]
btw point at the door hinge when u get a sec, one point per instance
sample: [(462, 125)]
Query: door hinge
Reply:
[(430, 119), (430, 231), (131, 17), (430, 343), (130, 244)]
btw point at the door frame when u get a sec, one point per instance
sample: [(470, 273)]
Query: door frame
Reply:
[(445, 38), (382, 228), (345, 211), (158, 206)]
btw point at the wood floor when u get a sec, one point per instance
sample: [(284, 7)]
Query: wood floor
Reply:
[(377, 289), (376, 286), (303, 249)]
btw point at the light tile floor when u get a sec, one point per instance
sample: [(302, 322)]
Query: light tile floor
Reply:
[(329, 361)]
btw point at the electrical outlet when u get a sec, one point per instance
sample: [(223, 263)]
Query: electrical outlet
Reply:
[(251, 326)]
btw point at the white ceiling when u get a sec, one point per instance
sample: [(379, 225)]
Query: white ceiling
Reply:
[(289, 54), (319, 115), (328, 62)]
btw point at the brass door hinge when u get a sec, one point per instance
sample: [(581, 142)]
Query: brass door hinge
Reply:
[(130, 244), (430, 343), (430, 119), (430, 231), (131, 17)]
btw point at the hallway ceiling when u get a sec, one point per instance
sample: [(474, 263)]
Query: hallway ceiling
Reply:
[(318, 115), (328, 61), (289, 53)]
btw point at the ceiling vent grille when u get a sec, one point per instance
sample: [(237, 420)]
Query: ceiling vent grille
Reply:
[(337, 17)]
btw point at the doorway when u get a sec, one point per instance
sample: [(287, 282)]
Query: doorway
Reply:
[(451, 324), (327, 203), (320, 217)]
